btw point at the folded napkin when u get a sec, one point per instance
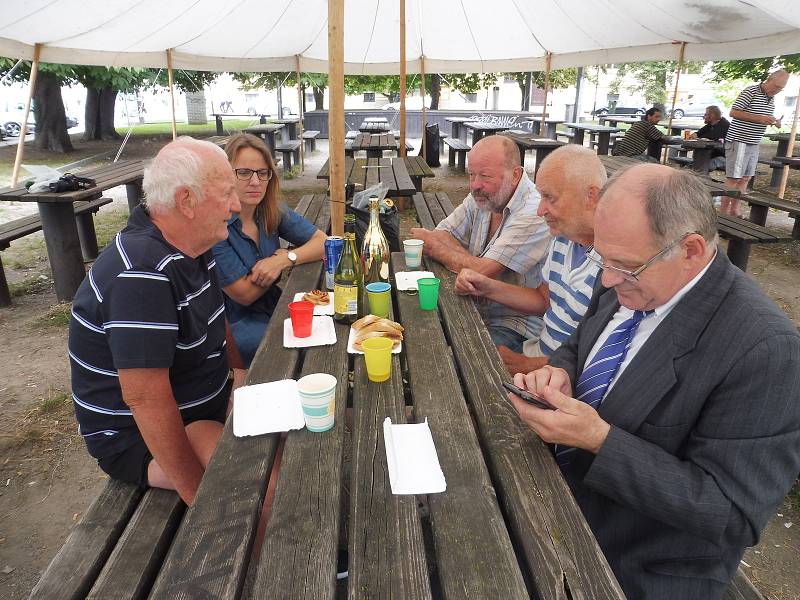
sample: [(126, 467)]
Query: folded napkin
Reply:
[(267, 408), (407, 280), (323, 333), (411, 459)]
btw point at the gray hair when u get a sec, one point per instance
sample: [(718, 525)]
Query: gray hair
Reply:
[(715, 111), (675, 205), (178, 164), (779, 74), (579, 165)]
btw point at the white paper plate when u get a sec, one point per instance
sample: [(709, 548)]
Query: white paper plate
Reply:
[(323, 333), (407, 280), (319, 309), (352, 350)]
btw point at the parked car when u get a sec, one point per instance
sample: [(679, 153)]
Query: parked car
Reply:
[(637, 111), (696, 107), (412, 103), (12, 122)]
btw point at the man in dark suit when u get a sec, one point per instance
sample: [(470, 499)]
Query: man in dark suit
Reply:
[(685, 434)]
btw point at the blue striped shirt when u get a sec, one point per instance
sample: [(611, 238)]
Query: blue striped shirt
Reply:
[(144, 304)]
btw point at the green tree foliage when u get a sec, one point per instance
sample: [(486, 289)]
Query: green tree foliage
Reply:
[(652, 79), (753, 69), (559, 79)]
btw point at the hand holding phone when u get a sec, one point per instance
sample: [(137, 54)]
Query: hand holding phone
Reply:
[(530, 398)]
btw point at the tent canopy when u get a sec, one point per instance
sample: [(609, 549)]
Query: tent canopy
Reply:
[(454, 36)]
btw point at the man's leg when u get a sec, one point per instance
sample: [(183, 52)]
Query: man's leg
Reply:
[(736, 203), (203, 437), (725, 203), (505, 336)]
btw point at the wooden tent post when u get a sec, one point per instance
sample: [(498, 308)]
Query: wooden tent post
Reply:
[(548, 60), (402, 149), (792, 135), (336, 113), (23, 130), (674, 95), (424, 116), (300, 114), (171, 92)]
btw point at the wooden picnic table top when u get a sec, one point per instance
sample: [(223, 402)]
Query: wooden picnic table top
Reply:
[(287, 121), (592, 127), (373, 127), (375, 120), (701, 143), (783, 136), (482, 126), (630, 120), (264, 128), (397, 173), (547, 120), (682, 126), (105, 176), (529, 140), (371, 141), (506, 526)]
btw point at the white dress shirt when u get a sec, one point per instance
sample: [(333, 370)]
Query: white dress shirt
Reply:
[(646, 326)]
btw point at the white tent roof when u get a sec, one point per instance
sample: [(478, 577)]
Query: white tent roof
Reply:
[(453, 35)]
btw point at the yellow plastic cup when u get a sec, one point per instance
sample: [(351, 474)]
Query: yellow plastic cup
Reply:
[(378, 356)]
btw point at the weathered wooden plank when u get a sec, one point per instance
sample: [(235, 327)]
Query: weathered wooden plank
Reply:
[(385, 547), (445, 203), (303, 205), (405, 185), (137, 557), (211, 551), (468, 527), (558, 547), (386, 173), (437, 214), (73, 571), (373, 172), (358, 175), (298, 558), (423, 211), (741, 588)]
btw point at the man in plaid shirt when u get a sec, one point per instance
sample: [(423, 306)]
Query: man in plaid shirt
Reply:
[(496, 232)]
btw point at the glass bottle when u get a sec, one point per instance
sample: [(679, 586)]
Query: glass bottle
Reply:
[(375, 248), (348, 281)]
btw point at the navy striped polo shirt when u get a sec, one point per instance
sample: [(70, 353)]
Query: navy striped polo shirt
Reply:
[(145, 305), (755, 101)]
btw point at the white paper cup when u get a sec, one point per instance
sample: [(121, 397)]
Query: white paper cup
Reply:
[(413, 250), (318, 397)]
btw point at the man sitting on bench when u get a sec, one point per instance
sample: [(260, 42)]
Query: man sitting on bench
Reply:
[(636, 140), (496, 232), (715, 128), (149, 345)]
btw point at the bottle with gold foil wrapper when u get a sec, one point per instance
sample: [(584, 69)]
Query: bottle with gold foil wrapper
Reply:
[(348, 281), (375, 248)]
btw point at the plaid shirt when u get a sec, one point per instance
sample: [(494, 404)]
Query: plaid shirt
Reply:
[(521, 244)]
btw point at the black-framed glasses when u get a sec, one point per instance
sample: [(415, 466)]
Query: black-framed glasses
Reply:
[(633, 276), (247, 174)]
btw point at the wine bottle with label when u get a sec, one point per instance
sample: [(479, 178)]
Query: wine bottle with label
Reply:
[(348, 281), (375, 248)]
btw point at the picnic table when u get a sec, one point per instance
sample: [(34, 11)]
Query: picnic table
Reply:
[(613, 120), (290, 128), (266, 131), (782, 151), (481, 129), (373, 127), (262, 118), (375, 144), (602, 132), (58, 218), (677, 129), (402, 175), (455, 126), (550, 125), (375, 120), (527, 141), (702, 149)]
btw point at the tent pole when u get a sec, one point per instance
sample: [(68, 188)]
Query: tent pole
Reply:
[(674, 96), (424, 116), (785, 174), (23, 131), (171, 92), (402, 149), (336, 113), (300, 113), (546, 89)]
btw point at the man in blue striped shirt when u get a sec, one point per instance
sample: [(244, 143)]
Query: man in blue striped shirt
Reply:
[(569, 182), (148, 343)]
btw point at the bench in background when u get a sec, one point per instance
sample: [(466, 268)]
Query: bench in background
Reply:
[(288, 149), (310, 141), (457, 149)]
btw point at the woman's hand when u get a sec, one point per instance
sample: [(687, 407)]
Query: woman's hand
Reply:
[(268, 270)]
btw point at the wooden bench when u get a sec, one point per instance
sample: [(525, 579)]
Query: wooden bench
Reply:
[(457, 149), (348, 148), (777, 170), (741, 588), (567, 134), (742, 234), (682, 161), (310, 141), (761, 202), (19, 228), (287, 149)]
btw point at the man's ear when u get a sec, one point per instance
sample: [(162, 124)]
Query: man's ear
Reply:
[(592, 197), (185, 202), (695, 247)]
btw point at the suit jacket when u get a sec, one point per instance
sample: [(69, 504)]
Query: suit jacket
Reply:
[(704, 441)]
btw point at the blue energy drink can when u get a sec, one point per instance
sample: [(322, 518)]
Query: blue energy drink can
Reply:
[(333, 251)]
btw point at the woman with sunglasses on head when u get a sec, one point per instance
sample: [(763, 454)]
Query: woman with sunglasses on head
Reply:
[(250, 261)]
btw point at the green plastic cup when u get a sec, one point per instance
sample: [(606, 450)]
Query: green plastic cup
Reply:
[(378, 356), (380, 298), (428, 293)]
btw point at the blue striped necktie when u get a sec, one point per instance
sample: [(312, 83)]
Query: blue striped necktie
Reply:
[(600, 372)]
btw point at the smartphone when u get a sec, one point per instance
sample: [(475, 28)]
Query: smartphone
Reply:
[(537, 401)]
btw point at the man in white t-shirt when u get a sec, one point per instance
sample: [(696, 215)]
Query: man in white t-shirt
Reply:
[(569, 183)]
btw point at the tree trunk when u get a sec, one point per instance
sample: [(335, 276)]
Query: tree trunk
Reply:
[(99, 115), (319, 98), (51, 120), (303, 96), (436, 90)]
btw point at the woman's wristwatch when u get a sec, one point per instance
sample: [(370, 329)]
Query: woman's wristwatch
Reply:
[(292, 257)]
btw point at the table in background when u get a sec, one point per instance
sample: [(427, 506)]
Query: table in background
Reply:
[(455, 127), (375, 120), (602, 132), (481, 130), (550, 125), (267, 132), (527, 141), (58, 218), (613, 120), (701, 149), (375, 144), (403, 175), (782, 151), (289, 132), (677, 129), (373, 127)]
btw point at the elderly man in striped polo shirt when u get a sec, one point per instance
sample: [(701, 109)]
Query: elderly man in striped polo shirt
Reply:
[(149, 346), (569, 181), (750, 114)]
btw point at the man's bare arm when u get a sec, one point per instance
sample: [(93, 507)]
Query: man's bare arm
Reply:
[(148, 393), (743, 115)]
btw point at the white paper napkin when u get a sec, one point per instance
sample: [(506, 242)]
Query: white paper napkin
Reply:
[(319, 309), (267, 408), (323, 333), (407, 280), (412, 460), (352, 349)]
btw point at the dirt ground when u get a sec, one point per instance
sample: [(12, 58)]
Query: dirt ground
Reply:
[(47, 480)]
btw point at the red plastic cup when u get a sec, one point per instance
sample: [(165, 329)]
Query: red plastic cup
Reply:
[(302, 315)]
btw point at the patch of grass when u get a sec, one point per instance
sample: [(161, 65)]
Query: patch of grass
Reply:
[(26, 253), (56, 316), (185, 129), (31, 285), (293, 173), (794, 495), (107, 223), (52, 402)]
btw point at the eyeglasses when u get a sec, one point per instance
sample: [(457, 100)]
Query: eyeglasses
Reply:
[(247, 174), (633, 276)]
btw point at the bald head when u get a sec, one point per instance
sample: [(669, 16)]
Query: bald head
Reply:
[(498, 148), (580, 165), (494, 172), (775, 83)]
